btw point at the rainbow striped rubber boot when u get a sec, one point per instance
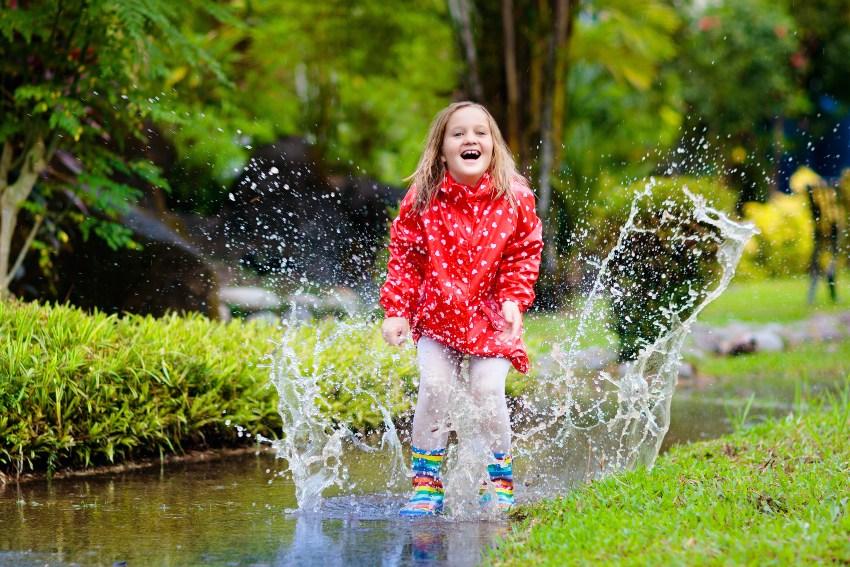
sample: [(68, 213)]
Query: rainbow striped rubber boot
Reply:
[(501, 473), (427, 499)]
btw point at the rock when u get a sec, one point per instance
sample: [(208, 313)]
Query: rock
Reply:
[(687, 371), (264, 316), (794, 334), (824, 328), (595, 358), (340, 302), (767, 341), (286, 218), (741, 344), (703, 339), (246, 298)]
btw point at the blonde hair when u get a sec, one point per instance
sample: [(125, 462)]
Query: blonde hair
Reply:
[(431, 169)]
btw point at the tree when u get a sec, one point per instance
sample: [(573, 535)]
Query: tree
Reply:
[(79, 78), (528, 70), (740, 82), (359, 80)]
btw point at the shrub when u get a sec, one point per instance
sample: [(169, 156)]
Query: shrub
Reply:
[(784, 245), (665, 262), (80, 389)]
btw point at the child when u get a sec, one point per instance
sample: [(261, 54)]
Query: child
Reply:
[(464, 256)]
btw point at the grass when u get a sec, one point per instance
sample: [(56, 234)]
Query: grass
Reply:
[(776, 375), (778, 493), (774, 301), (80, 389)]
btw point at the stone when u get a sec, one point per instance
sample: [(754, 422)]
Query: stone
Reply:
[(767, 341), (595, 358), (824, 328), (687, 371), (269, 317), (249, 298)]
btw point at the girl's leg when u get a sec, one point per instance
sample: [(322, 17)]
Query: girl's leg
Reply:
[(487, 385), (439, 368)]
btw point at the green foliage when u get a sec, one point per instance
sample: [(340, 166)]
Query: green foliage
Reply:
[(354, 79), (785, 242), (776, 493), (735, 100), (78, 390), (83, 77), (664, 264), (358, 371)]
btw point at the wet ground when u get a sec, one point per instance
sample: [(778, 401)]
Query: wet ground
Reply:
[(236, 511)]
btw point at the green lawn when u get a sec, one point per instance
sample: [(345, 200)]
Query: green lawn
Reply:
[(778, 494), (774, 301), (775, 376)]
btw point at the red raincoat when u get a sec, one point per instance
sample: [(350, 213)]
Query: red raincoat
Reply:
[(453, 265)]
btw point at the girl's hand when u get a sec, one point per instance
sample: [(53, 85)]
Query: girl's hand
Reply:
[(513, 316), (395, 330)]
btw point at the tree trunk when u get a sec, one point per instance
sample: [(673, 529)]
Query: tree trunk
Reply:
[(12, 197), (553, 94), (511, 78), (461, 15)]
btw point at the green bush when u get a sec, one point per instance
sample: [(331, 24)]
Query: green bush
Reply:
[(785, 240), (80, 389), (664, 265), (355, 371)]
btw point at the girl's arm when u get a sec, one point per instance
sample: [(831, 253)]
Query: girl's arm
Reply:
[(406, 265), (521, 257)]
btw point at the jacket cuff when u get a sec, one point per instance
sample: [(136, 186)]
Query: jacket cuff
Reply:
[(397, 312), (523, 304)]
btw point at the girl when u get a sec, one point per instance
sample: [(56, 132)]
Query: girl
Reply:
[(464, 256)]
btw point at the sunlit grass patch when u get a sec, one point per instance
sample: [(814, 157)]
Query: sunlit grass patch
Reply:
[(777, 493), (774, 301)]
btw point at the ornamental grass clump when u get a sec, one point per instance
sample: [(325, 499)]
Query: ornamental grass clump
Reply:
[(79, 389)]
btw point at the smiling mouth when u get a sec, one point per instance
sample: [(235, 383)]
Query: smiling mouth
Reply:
[(470, 154)]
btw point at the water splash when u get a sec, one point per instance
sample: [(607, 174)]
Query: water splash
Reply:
[(307, 370), (572, 426), (601, 423)]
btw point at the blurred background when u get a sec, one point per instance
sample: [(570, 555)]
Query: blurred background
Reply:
[(234, 157)]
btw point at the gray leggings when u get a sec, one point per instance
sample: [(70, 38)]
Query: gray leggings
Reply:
[(444, 393)]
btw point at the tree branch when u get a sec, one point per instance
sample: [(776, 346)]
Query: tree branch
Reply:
[(5, 165), (23, 251)]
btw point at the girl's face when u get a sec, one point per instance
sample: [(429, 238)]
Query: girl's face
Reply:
[(467, 145)]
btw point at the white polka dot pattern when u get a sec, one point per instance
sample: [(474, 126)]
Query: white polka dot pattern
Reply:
[(450, 287)]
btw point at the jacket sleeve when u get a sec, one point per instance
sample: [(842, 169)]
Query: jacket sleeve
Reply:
[(406, 265), (521, 258)]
